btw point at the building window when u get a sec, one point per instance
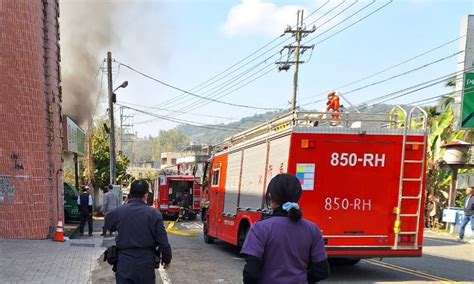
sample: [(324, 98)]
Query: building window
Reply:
[(173, 162)]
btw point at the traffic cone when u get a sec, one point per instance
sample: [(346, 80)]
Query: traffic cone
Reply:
[(59, 235)]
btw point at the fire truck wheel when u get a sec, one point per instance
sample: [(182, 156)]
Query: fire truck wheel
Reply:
[(243, 231), (207, 239)]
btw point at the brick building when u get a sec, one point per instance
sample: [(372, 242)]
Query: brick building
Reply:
[(30, 120)]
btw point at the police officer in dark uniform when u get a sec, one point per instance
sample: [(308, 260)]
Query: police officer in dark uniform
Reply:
[(141, 238), (84, 202)]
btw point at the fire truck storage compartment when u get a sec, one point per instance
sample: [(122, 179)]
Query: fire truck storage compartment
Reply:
[(249, 171), (232, 183), (177, 188)]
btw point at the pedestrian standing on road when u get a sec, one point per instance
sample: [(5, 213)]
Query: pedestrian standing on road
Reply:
[(110, 202), (468, 213), (141, 241), (284, 248), (127, 198), (84, 202)]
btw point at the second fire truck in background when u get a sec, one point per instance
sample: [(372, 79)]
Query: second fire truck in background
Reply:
[(169, 194)]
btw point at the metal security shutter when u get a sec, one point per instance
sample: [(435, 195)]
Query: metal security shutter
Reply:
[(232, 183), (253, 170)]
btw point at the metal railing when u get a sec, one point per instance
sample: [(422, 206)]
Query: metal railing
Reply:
[(394, 119)]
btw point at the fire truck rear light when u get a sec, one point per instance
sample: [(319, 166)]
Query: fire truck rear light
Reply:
[(305, 143), (413, 147), (406, 239)]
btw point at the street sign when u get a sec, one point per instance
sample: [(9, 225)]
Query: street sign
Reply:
[(467, 109), (464, 99), (74, 137)]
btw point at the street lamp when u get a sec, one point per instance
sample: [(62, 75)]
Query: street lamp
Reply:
[(123, 85), (112, 100)]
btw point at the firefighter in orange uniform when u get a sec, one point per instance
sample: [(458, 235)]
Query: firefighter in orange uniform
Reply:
[(333, 104)]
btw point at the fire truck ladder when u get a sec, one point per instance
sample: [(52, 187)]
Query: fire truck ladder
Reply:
[(410, 123)]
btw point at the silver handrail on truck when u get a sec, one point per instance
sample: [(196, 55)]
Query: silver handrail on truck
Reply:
[(316, 119)]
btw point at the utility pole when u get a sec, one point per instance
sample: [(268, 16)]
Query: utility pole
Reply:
[(123, 126), (121, 129), (299, 32), (111, 119), (89, 154)]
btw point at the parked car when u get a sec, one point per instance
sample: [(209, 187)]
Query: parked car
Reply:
[(71, 210)]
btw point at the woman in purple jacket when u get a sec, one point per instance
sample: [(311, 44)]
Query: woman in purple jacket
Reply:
[(284, 248)]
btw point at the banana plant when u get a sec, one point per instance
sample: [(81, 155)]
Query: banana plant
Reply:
[(441, 122)]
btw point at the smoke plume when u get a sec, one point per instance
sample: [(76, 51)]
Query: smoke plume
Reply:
[(87, 32)]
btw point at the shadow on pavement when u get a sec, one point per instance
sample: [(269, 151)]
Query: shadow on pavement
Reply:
[(446, 267), (367, 272), (439, 242)]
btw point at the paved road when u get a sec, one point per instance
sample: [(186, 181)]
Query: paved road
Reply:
[(444, 260), (79, 261)]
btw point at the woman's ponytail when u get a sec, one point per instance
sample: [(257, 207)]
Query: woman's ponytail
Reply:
[(295, 214), (293, 209)]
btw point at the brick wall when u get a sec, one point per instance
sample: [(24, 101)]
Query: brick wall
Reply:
[(30, 126)]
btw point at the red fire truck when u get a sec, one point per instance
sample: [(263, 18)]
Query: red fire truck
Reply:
[(362, 178), (169, 193)]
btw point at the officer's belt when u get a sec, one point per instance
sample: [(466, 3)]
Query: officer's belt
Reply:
[(137, 249)]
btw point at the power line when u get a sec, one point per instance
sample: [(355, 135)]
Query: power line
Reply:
[(267, 51), (98, 92), (216, 78), (427, 100), (400, 93), (354, 23), (276, 53), (402, 74), (445, 95), (360, 10), (397, 76), (226, 86), (340, 12), (388, 68), (192, 106), (204, 98), (192, 94), (165, 109), (247, 83), (181, 121), (430, 83)]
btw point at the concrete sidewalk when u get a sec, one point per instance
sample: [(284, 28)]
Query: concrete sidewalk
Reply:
[(446, 235), (45, 261)]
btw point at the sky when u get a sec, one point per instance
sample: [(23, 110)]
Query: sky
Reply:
[(184, 43)]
